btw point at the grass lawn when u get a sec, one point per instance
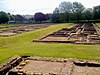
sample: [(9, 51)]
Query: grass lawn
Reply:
[(22, 44), (6, 26), (98, 24), (9, 25)]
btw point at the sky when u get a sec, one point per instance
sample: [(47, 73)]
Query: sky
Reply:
[(32, 6)]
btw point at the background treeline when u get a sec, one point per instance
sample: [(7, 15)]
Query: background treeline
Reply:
[(65, 12), (75, 12)]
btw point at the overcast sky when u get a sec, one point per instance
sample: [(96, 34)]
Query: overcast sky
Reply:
[(33, 6)]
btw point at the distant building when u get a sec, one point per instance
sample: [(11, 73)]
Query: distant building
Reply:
[(10, 22)]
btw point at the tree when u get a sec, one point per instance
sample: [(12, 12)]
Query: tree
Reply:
[(88, 14), (66, 10), (40, 17), (56, 15), (4, 18), (11, 17), (63, 17), (19, 18), (49, 17), (78, 10), (96, 11)]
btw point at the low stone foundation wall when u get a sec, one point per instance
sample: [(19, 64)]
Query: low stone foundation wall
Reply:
[(49, 66), (12, 62)]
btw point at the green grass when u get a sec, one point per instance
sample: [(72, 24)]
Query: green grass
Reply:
[(98, 24), (9, 25), (22, 44), (5, 26)]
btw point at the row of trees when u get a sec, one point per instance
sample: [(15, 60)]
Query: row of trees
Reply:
[(7, 17), (65, 12), (68, 11)]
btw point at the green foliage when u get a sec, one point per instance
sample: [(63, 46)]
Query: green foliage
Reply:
[(66, 9), (4, 17), (72, 12), (40, 17), (78, 9), (97, 12), (88, 14), (69, 11), (18, 18), (56, 16), (11, 17)]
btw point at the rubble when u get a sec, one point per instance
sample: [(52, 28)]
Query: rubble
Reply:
[(50, 66)]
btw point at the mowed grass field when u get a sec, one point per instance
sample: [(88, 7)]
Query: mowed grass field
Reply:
[(22, 44)]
